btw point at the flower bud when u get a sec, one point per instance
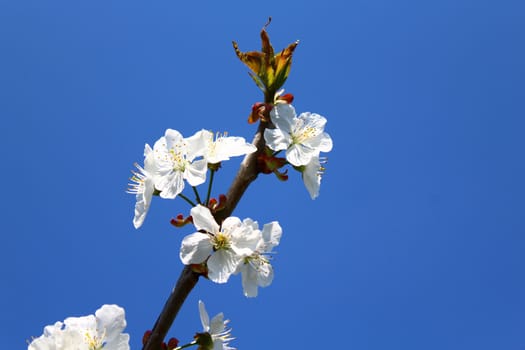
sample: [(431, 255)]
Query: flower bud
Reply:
[(215, 205), (180, 220), (268, 70), (146, 336), (173, 343)]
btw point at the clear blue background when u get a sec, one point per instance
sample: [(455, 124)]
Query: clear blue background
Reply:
[(417, 239)]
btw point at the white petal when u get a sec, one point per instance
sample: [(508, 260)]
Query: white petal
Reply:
[(149, 160), (265, 274), (159, 145), (313, 120), (171, 185), (222, 264), (299, 154), (81, 323), (244, 240), (196, 144), (225, 147), (172, 138), (111, 320), (218, 344), (319, 143), (140, 213), (217, 324), (195, 248), (230, 223), (251, 223), (195, 173), (234, 146), (249, 281), (147, 150), (271, 234), (121, 343), (205, 319), (283, 115), (325, 143), (276, 139), (71, 339), (143, 203), (203, 219), (312, 178), (43, 343)]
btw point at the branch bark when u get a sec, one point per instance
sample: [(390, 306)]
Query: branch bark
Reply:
[(247, 173)]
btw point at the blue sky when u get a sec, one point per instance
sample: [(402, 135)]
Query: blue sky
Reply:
[(417, 238)]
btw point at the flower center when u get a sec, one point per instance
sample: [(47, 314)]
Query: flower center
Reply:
[(301, 134), (178, 160), (93, 342), (221, 241)]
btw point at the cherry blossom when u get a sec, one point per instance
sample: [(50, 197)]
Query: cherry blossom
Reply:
[(216, 336), (302, 137), (225, 245), (175, 161), (143, 186), (222, 147), (93, 332), (256, 269)]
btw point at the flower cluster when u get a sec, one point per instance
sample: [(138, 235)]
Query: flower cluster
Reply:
[(303, 138), (93, 332), (174, 160), (233, 247), (216, 249)]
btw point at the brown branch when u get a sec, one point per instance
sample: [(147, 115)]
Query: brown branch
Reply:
[(187, 280), (246, 174)]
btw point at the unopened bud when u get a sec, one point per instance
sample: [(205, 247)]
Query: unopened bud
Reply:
[(173, 343), (215, 205), (180, 220), (280, 98), (260, 111), (146, 336)]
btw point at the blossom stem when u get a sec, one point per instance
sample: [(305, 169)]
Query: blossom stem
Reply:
[(187, 200), (212, 174), (197, 197)]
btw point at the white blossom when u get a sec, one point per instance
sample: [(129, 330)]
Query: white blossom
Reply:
[(302, 137), (225, 245), (220, 335), (94, 332), (256, 269), (222, 147), (143, 186), (175, 161)]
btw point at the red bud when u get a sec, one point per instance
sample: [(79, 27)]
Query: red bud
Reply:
[(146, 336), (173, 343)]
